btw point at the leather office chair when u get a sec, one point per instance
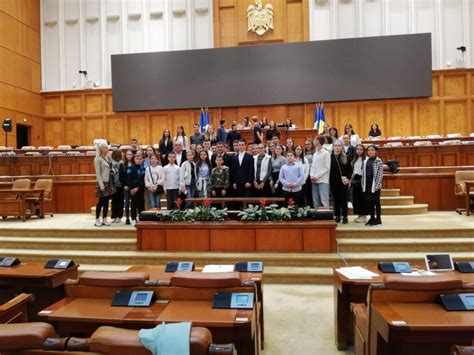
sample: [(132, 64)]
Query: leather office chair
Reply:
[(462, 350), (47, 186), (21, 184), (116, 341), (24, 336), (396, 288), (460, 189)]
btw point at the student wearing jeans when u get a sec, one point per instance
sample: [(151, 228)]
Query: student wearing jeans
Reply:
[(292, 178), (187, 178), (127, 163), (319, 174), (171, 181), (154, 179)]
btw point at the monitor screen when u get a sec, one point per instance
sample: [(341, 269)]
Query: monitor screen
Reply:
[(242, 299), (470, 300), (439, 262), (141, 297)]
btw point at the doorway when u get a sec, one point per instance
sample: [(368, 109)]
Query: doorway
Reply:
[(22, 135)]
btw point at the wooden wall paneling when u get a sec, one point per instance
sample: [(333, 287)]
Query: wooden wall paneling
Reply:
[(73, 130), (178, 239), (138, 128), (52, 131), (236, 240), (401, 122), (230, 115), (279, 113), (346, 114), (73, 104), (93, 103), (280, 240), (455, 85), (93, 129), (456, 119), (295, 21), (116, 129), (52, 105), (158, 123), (224, 22), (429, 120)]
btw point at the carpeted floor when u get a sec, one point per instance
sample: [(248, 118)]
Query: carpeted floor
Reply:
[(299, 320)]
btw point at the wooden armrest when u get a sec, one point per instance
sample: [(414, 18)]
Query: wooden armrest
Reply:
[(17, 301)]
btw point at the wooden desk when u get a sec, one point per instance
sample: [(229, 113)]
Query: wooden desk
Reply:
[(428, 329), (82, 316), (14, 202), (47, 285), (158, 273), (348, 291)]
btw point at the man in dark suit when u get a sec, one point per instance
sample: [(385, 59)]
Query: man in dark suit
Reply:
[(220, 150), (242, 171), (348, 148), (180, 153)]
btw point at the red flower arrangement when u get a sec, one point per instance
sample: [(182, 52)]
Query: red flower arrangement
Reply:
[(291, 202), (207, 202), (179, 202), (263, 202)]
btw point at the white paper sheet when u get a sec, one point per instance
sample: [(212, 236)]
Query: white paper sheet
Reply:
[(419, 273), (218, 268), (356, 272)]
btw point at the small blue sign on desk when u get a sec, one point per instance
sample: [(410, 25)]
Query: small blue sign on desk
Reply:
[(133, 298)]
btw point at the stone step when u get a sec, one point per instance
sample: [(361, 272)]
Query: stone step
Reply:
[(114, 231), (444, 245), (359, 230), (397, 200), (85, 244), (390, 192), (417, 208)]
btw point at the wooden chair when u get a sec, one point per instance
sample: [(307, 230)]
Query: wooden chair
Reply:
[(35, 202), (12, 202), (398, 289), (464, 181), (15, 310)]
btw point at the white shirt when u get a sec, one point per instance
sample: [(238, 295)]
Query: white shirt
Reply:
[(355, 140), (321, 165), (179, 156), (358, 167), (171, 177), (154, 176), (241, 157)]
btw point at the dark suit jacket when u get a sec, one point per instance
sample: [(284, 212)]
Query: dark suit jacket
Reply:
[(350, 153), (242, 174), (183, 158)]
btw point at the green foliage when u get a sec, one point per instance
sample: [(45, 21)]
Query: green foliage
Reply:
[(198, 214), (273, 213)]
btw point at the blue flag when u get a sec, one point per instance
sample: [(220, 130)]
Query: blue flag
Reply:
[(208, 118), (202, 120), (320, 119)]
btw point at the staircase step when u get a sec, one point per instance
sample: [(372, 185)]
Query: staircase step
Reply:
[(113, 232), (390, 210), (86, 244), (400, 245), (380, 233), (397, 200), (390, 192)]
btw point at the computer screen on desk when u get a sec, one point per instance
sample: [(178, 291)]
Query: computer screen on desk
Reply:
[(439, 262)]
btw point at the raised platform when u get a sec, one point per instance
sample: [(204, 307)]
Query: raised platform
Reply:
[(238, 236), (114, 248)]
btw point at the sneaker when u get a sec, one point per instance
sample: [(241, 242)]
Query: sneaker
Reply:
[(134, 222), (97, 223), (105, 222), (127, 221)]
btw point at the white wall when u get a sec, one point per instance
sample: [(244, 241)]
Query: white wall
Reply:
[(451, 23), (83, 34)]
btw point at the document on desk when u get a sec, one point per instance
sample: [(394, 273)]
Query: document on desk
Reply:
[(419, 273), (218, 268), (356, 272)]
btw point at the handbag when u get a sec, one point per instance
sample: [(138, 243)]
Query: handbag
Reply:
[(159, 188)]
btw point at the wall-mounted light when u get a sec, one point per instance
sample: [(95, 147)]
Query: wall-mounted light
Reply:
[(134, 17), (179, 13), (201, 10), (156, 15), (71, 22), (50, 24), (113, 18), (92, 20)]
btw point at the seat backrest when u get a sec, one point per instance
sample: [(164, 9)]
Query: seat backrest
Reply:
[(205, 280), (460, 177), (64, 147), (21, 184), (113, 279), (46, 185), (28, 147)]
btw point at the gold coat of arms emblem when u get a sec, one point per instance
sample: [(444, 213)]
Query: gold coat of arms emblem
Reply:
[(260, 19)]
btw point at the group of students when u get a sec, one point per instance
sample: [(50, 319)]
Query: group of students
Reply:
[(227, 167)]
